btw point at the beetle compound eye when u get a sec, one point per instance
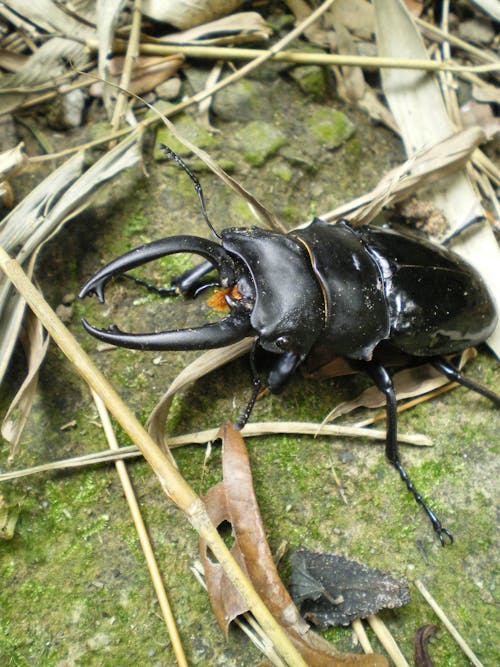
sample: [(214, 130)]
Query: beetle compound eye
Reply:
[(284, 343)]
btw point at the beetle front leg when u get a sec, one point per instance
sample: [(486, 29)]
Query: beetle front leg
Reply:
[(187, 284), (384, 383)]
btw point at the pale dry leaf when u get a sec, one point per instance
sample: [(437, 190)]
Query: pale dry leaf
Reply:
[(12, 61), (43, 70), (490, 7), (485, 92), (35, 343), (417, 172), (13, 160), (204, 364), (41, 214), (233, 29), (411, 96), (408, 383), (108, 12), (188, 13), (51, 18)]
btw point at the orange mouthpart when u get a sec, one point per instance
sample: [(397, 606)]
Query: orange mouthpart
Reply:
[(218, 301)]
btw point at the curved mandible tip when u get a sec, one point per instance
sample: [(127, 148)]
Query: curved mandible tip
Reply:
[(231, 329), (212, 251)]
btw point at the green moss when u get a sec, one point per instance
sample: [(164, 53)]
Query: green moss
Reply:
[(330, 127), (259, 141)]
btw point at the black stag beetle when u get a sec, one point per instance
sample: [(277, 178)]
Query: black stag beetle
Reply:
[(323, 287)]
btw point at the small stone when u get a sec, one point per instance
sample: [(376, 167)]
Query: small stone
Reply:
[(311, 80), (64, 313), (244, 100), (478, 29), (169, 89), (259, 141), (331, 127)]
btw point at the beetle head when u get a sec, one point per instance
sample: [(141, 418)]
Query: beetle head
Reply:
[(231, 329)]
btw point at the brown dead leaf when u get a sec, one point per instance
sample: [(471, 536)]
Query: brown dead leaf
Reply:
[(233, 500), (422, 635), (148, 72)]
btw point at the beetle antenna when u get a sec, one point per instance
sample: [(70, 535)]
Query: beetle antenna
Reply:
[(197, 185)]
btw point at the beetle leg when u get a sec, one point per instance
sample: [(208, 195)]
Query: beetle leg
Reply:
[(187, 284), (455, 375), (384, 383), (257, 386)]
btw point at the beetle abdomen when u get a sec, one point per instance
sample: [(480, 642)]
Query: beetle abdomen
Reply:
[(438, 303)]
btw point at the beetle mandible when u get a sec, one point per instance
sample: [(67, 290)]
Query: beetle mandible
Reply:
[(325, 287)]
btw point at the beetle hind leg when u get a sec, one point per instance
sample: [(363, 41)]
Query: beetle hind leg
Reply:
[(453, 374), (384, 383)]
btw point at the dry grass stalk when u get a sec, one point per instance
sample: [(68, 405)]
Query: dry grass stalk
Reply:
[(174, 485), (202, 437), (130, 56), (300, 58), (143, 536), (449, 625), (387, 641), (360, 632)]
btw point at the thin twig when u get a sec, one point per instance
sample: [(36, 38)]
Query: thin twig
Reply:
[(142, 533), (128, 65), (387, 641), (303, 58), (449, 625), (360, 632), (202, 437)]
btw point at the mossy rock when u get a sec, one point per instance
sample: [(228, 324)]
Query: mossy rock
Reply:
[(259, 141), (330, 127)]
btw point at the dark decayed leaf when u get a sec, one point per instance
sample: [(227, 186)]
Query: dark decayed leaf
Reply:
[(233, 501), (332, 590), (422, 657)]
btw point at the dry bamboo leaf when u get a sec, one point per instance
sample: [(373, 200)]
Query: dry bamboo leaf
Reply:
[(233, 500), (48, 16), (490, 7), (188, 13), (411, 96), (410, 382), (234, 29), (40, 215), (204, 364), (13, 160), (425, 167), (41, 71), (35, 344)]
